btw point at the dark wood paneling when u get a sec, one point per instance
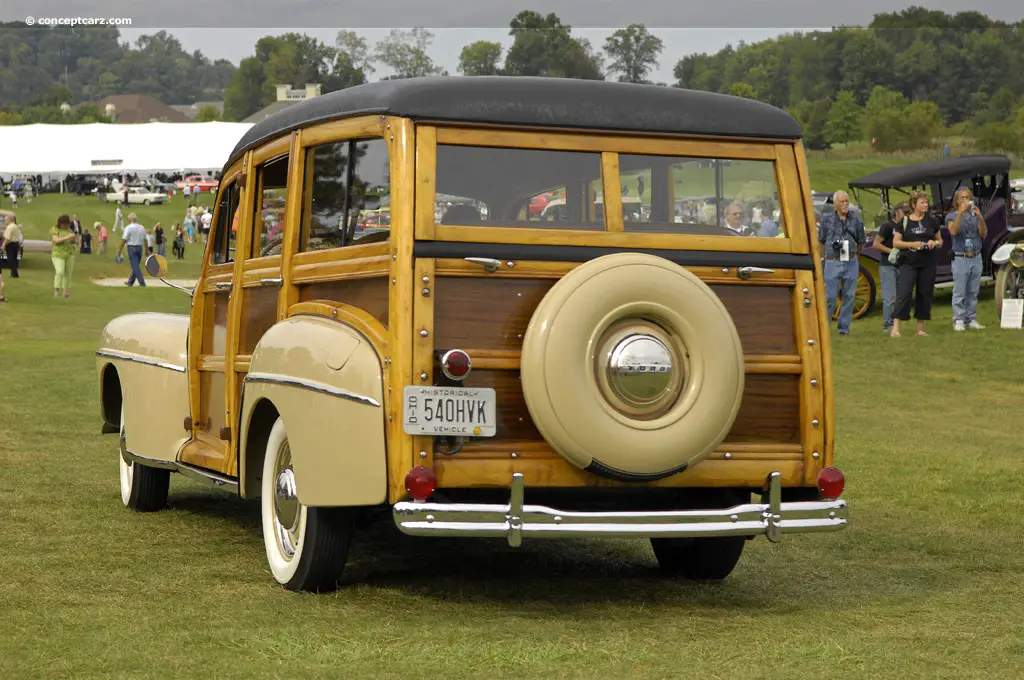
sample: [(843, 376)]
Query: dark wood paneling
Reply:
[(485, 313), (763, 316), (259, 313), (770, 411), (493, 313), (370, 295)]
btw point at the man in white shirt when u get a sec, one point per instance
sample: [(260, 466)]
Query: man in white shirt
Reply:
[(135, 238), (118, 221), (207, 220)]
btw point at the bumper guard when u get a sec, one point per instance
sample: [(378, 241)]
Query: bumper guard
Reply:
[(515, 520)]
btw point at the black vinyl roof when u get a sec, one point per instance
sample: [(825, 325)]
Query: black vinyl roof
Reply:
[(931, 172), (544, 102)]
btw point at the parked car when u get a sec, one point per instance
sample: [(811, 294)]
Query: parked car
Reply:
[(987, 176), (504, 377), (201, 182), (141, 195)]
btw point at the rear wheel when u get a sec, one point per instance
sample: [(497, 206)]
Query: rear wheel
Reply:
[(864, 298), (306, 547), (142, 488), (702, 559)]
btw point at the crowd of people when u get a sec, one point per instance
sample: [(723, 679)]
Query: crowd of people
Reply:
[(910, 243)]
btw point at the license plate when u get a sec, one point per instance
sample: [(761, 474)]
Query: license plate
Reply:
[(450, 411)]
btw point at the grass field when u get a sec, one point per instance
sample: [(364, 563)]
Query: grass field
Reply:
[(925, 583)]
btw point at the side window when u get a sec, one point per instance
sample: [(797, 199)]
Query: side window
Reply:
[(269, 209), (700, 196), (225, 230), (531, 188), (347, 194)]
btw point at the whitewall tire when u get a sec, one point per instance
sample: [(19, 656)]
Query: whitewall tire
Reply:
[(306, 547), (142, 488)]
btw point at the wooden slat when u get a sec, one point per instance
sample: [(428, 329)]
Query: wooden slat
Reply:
[(371, 295), (355, 267), (763, 316), (423, 347), (791, 198), (208, 362), (610, 183), (510, 360), (562, 141), (426, 180), (357, 254), (485, 448), (350, 128)]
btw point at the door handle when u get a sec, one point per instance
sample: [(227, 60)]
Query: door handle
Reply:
[(746, 272), (271, 282), (223, 285), (489, 264)]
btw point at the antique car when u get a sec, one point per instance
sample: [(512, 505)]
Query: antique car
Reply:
[(986, 175), (495, 376), (139, 195), (200, 183)]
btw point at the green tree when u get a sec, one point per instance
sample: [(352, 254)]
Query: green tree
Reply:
[(813, 117), (355, 49), (406, 53), (844, 119), (244, 95), (999, 136), (480, 58), (633, 52), (544, 46), (745, 90), (207, 114)]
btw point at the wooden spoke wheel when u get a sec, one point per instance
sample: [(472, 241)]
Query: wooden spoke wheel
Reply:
[(864, 298)]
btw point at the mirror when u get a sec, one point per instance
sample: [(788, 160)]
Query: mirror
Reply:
[(156, 265)]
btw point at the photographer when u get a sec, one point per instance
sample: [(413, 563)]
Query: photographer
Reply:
[(887, 271), (841, 235), (920, 238), (968, 229)]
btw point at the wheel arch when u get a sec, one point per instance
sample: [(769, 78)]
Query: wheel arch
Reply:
[(111, 397), (261, 421)]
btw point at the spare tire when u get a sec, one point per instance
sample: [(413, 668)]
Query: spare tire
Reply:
[(632, 368)]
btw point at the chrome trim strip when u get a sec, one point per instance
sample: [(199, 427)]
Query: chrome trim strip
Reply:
[(114, 354), (310, 385), (208, 476), (130, 457), (515, 520)]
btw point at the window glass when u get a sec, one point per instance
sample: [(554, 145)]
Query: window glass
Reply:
[(269, 213), (226, 227), (700, 196), (348, 189), (519, 188)]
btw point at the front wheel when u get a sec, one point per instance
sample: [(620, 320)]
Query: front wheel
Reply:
[(147, 202), (1009, 285), (306, 547), (143, 488)]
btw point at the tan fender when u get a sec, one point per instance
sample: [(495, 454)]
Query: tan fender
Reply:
[(148, 351), (326, 382)]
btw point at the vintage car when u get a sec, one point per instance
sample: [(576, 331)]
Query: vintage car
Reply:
[(495, 377), (200, 183), (986, 175), (140, 195)]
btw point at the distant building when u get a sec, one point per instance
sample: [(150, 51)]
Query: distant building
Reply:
[(192, 110), (286, 96), (139, 108)]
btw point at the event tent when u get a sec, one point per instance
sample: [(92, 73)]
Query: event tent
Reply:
[(107, 148)]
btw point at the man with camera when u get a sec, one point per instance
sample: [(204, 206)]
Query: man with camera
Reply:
[(968, 229), (841, 235)]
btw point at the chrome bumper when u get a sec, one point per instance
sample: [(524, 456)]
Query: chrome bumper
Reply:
[(515, 520)]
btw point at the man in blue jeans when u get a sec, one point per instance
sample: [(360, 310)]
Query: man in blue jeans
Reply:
[(134, 237), (968, 229), (888, 272), (841, 235)]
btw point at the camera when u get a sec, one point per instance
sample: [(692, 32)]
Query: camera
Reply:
[(837, 246)]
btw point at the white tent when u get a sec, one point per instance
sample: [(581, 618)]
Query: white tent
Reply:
[(107, 148)]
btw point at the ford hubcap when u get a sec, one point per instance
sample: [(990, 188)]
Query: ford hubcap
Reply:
[(639, 369), (286, 506)]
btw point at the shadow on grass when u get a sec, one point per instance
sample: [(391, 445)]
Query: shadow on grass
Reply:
[(802, 574)]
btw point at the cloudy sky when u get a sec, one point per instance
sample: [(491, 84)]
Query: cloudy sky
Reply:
[(228, 29)]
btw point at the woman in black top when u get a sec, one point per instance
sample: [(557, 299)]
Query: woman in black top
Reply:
[(919, 239)]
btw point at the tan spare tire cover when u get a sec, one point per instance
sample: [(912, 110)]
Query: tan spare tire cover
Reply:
[(685, 345)]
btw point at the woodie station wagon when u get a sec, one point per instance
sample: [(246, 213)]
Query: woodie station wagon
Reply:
[(475, 367)]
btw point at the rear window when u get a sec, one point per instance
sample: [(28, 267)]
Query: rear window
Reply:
[(500, 187), (717, 197)]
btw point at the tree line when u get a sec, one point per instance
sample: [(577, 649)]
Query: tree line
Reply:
[(898, 82)]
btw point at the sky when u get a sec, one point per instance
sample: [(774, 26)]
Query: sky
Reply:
[(228, 29)]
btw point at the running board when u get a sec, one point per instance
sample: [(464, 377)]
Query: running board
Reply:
[(946, 285), (217, 479)]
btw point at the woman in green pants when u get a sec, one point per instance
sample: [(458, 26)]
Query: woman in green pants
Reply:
[(65, 242)]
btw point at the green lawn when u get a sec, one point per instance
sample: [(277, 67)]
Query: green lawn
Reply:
[(925, 583)]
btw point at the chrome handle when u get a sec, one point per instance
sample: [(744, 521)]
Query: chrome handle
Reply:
[(223, 285), (489, 264), (271, 282), (746, 272)]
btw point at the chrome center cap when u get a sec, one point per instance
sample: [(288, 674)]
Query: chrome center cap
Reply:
[(286, 499), (641, 370)]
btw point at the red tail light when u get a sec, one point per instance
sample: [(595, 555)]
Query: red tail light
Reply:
[(420, 482), (456, 364), (831, 483)]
